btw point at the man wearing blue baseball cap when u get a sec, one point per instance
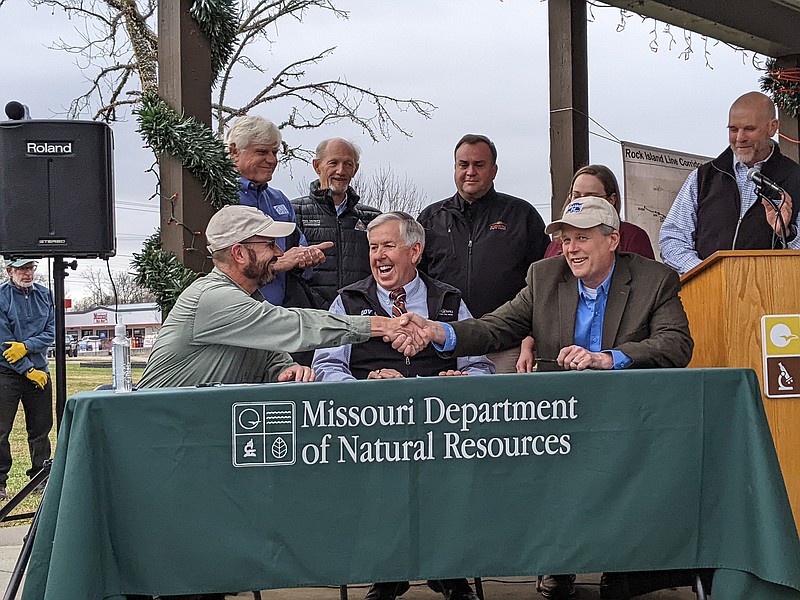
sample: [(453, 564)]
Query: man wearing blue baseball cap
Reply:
[(27, 328)]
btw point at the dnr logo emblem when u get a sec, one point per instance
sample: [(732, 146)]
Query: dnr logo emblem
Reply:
[(263, 434), (49, 148)]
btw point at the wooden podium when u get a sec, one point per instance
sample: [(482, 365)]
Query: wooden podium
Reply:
[(725, 298)]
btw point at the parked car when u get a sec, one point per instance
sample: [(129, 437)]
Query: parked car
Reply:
[(70, 346), (90, 343)]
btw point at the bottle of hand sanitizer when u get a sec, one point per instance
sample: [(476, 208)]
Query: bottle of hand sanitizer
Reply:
[(121, 360)]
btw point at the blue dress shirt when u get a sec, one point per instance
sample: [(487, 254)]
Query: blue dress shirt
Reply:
[(588, 323)]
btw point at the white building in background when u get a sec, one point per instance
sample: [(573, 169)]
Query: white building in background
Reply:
[(142, 322)]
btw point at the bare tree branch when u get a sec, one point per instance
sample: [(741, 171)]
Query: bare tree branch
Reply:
[(386, 191), (117, 40), (99, 291)]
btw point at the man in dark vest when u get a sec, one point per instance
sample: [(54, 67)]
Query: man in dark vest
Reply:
[(717, 207), (396, 242), (332, 212)]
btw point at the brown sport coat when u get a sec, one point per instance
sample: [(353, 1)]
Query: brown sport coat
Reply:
[(644, 317)]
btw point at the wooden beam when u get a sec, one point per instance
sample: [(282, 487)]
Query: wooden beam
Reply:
[(569, 96), (184, 82), (768, 27)]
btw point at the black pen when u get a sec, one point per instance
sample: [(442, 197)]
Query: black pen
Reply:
[(547, 360)]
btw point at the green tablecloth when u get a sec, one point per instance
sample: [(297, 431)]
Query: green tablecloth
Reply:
[(479, 476)]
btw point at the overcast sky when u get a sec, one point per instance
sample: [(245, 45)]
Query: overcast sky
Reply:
[(483, 63)]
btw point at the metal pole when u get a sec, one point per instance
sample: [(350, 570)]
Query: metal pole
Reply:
[(59, 274)]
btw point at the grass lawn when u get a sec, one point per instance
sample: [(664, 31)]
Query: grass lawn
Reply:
[(79, 379)]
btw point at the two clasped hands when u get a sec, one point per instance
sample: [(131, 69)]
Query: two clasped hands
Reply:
[(410, 333)]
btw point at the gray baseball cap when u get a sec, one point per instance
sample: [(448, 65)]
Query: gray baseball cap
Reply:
[(235, 223), (585, 213), (21, 262)]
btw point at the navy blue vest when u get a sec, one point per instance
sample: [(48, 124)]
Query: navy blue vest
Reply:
[(361, 298)]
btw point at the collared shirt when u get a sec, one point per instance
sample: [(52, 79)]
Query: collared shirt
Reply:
[(588, 323), (274, 203), (589, 320), (676, 239), (333, 364)]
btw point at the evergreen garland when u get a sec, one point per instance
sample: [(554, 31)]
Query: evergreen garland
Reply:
[(783, 85), (218, 22), (161, 273), (194, 144)]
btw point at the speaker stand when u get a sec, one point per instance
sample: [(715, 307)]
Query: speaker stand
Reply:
[(59, 274)]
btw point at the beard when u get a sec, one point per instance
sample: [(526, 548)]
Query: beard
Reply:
[(19, 282), (743, 155), (261, 273)]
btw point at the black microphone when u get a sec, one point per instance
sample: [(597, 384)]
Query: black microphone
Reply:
[(763, 182), (17, 111)]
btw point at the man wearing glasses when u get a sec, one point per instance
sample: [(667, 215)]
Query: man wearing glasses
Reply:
[(27, 328), (222, 331)]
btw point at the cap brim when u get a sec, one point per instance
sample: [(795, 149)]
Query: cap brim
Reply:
[(577, 221), (277, 229), (21, 263)]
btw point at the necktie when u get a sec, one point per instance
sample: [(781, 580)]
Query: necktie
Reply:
[(398, 298)]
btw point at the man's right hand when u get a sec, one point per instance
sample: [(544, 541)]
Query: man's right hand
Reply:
[(39, 378), (431, 330), (526, 360), (302, 257)]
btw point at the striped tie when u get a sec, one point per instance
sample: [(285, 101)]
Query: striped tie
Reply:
[(398, 298)]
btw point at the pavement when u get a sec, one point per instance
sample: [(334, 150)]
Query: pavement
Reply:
[(11, 539), (505, 588)]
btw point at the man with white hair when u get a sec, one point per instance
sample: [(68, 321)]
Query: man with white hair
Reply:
[(253, 143), (27, 328), (396, 242), (332, 210)]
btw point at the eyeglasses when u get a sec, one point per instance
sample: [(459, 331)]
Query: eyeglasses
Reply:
[(269, 244), (26, 268)]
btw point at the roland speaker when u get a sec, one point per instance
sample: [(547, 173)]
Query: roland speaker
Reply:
[(56, 189)]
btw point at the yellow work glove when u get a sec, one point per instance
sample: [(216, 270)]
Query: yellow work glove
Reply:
[(15, 351), (39, 378)]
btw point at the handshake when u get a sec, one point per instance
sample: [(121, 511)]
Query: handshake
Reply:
[(408, 333)]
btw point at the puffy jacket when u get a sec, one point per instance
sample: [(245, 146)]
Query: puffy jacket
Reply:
[(348, 260), (484, 249)]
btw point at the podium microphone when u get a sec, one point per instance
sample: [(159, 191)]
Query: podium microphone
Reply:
[(763, 182), (17, 111), (765, 186)]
